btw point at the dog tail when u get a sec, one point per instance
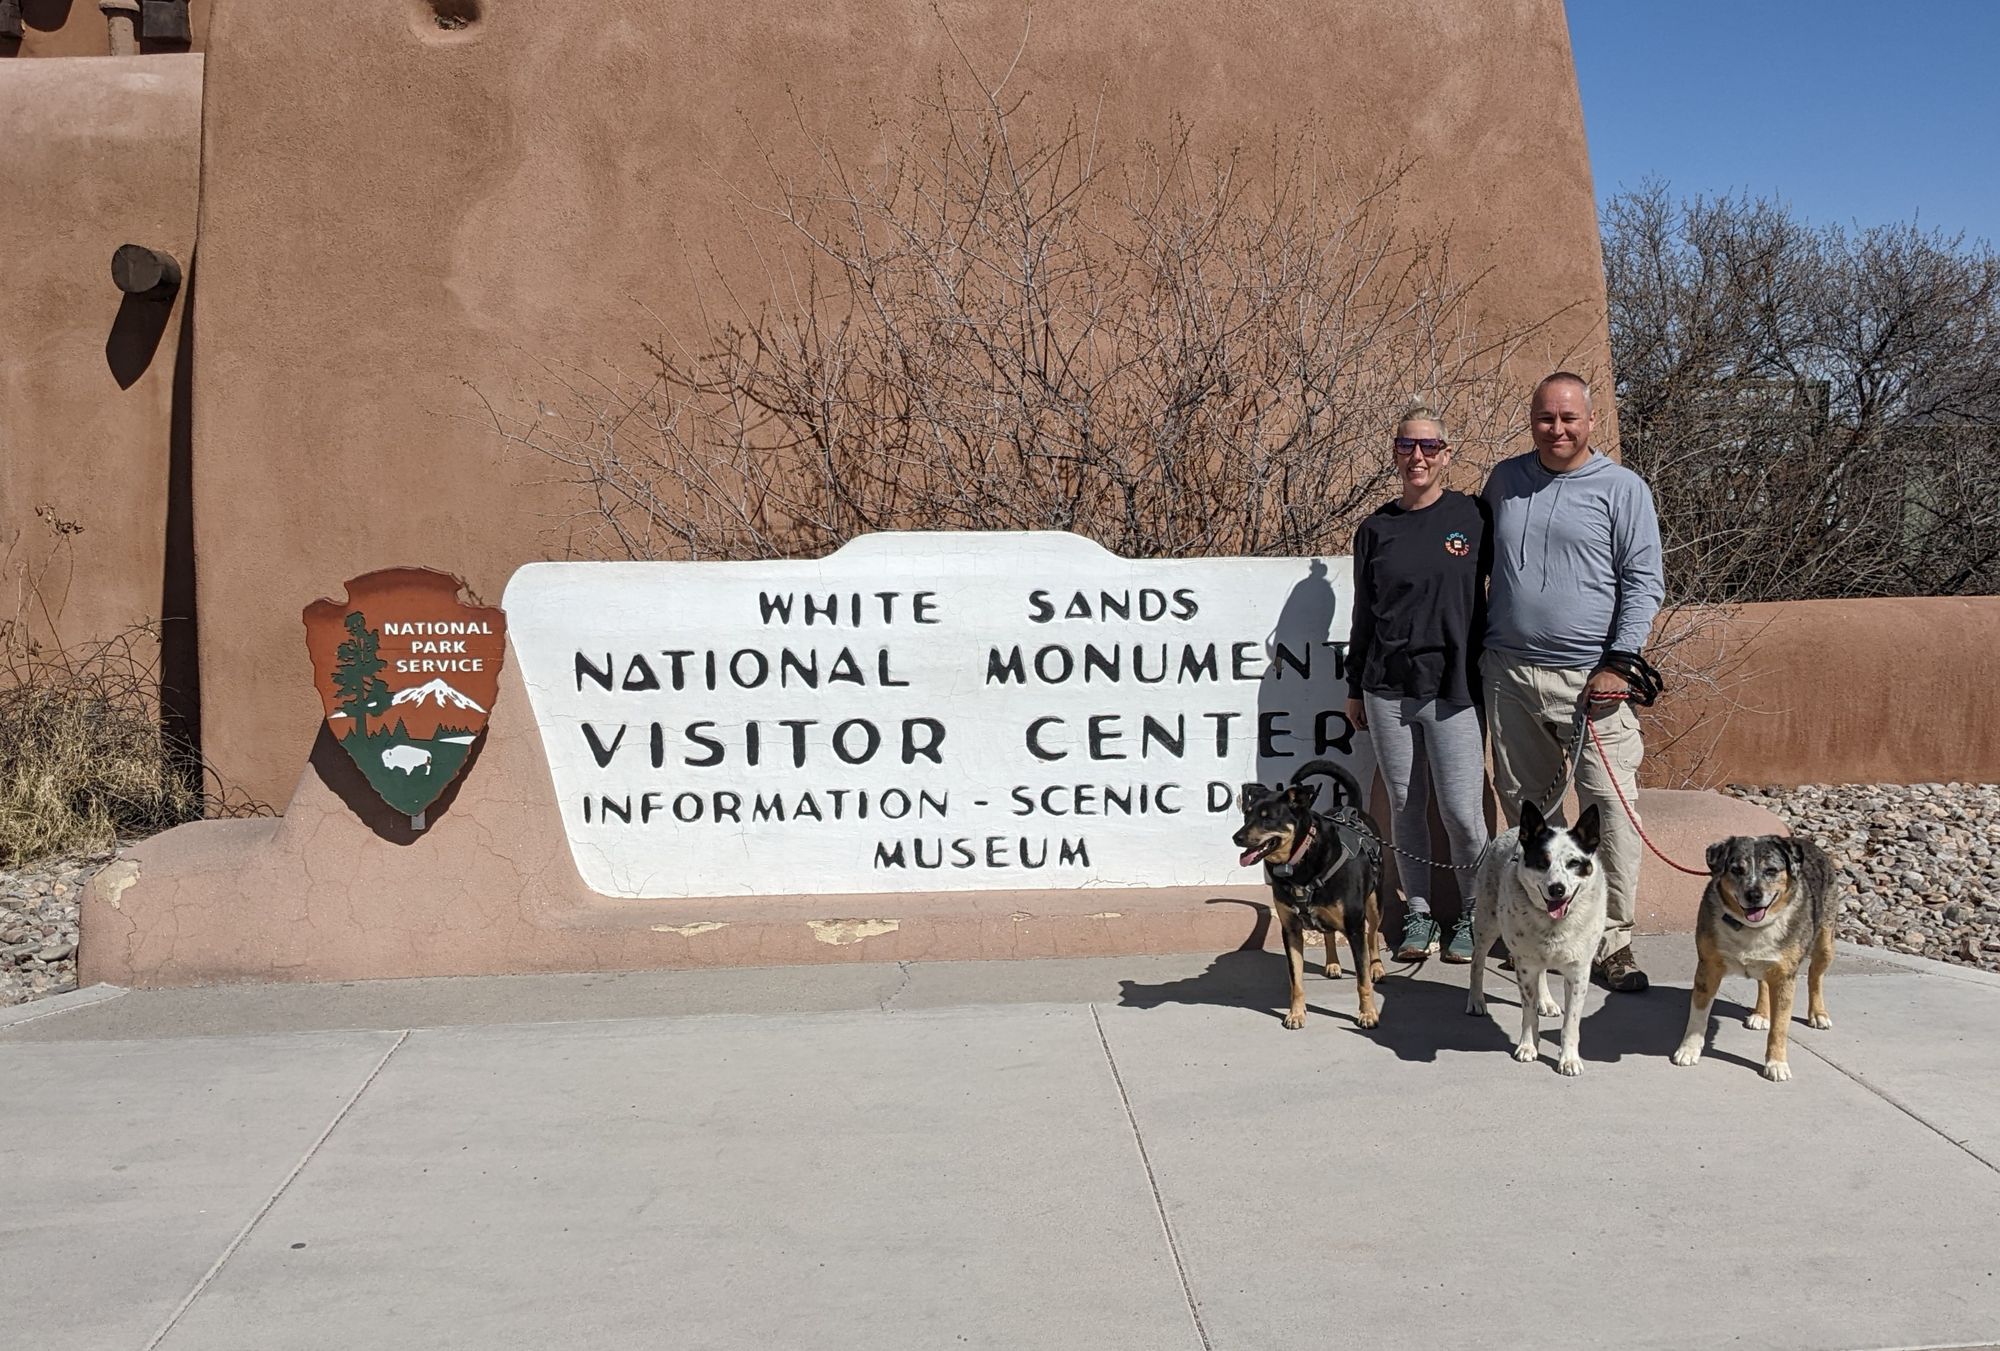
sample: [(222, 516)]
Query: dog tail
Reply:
[(1346, 792)]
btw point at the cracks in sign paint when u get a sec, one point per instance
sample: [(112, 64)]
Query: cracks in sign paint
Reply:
[(841, 932)]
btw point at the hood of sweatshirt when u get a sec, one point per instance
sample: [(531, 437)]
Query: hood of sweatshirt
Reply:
[(1548, 491)]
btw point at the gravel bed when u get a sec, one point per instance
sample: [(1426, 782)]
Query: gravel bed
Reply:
[(38, 926), (1921, 861)]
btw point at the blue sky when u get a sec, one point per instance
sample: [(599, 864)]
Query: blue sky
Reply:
[(1853, 112)]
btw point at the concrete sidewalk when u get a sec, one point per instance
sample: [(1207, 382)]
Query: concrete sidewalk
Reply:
[(1078, 1154)]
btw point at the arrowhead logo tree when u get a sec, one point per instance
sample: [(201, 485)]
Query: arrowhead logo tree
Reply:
[(407, 673)]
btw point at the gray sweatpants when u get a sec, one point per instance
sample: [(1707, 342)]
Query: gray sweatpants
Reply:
[(1427, 746)]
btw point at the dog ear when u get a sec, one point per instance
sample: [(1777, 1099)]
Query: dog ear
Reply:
[(1302, 796), (1803, 862), (1531, 818), (1586, 832), (1253, 792), (1718, 855)]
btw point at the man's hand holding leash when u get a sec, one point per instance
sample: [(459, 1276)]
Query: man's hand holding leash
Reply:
[(1606, 690)]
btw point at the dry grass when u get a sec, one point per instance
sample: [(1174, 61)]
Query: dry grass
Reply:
[(83, 760)]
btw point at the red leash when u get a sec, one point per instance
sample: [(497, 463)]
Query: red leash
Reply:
[(1630, 815)]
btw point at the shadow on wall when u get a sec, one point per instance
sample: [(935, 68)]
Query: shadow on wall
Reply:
[(180, 631), (51, 16), (135, 337), (47, 15), (1303, 711), (44, 16)]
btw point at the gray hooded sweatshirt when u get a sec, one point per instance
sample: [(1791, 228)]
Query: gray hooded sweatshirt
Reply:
[(1576, 561)]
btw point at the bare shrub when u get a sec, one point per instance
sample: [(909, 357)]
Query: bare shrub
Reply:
[(993, 322), (1818, 411), (84, 760)]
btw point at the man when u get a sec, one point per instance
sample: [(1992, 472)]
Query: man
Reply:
[(1576, 575)]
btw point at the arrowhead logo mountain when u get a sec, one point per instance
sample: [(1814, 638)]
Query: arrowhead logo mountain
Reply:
[(408, 673)]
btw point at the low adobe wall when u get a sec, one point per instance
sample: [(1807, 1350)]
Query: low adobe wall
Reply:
[(1839, 691), (341, 888)]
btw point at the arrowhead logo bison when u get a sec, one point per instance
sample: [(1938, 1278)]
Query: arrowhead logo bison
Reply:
[(408, 673)]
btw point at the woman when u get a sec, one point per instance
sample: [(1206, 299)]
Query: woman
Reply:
[(1420, 566)]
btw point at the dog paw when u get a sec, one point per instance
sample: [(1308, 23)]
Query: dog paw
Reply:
[(1524, 1054), (1756, 1022), (1375, 972), (1569, 1065), (1777, 1071), (1368, 1019), (1476, 1007), (1333, 973), (1687, 1055), (1295, 1021), (1820, 1021), (1548, 1008)]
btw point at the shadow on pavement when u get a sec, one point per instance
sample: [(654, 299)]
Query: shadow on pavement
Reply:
[(1423, 1017), (1248, 978)]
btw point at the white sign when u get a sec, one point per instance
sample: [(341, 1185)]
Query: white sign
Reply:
[(927, 712)]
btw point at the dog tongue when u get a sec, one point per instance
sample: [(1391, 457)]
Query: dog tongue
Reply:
[(1252, 854), (1557, 912), (1754, 916)]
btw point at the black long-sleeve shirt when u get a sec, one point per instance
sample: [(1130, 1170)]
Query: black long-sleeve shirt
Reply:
[(1420, 600)]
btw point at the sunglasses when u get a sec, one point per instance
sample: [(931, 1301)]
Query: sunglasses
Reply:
[(1406, 446)]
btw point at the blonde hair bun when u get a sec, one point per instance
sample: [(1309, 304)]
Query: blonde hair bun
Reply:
[(1419, 409)]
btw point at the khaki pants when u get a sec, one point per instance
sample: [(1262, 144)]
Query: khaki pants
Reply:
[(1530, 711)]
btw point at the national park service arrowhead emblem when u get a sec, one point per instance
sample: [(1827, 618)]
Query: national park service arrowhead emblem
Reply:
[(408, 673)]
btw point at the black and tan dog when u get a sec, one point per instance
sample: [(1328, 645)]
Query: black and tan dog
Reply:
[(1771, 904), (1324, 875)]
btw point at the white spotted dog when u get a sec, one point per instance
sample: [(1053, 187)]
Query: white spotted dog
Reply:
[(1541, 888)]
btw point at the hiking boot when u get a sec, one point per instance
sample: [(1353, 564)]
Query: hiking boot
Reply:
[(1459, 950), (1620, 971), (1420, 938)]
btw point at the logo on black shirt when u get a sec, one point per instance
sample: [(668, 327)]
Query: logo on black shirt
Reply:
[(1455, 544)]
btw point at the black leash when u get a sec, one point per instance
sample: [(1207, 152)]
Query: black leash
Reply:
[(1352, 818)]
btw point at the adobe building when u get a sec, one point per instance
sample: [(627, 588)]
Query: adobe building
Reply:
[(355, 222), (388, 207)]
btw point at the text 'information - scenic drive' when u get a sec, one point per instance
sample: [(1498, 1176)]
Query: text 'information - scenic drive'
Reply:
[(926, 712)]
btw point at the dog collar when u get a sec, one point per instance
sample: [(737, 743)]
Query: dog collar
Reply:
[(1730, 919), (1305, 845)]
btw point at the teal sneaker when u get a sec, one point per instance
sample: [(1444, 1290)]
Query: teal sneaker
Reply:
[(1459, 950), (1420, 938)]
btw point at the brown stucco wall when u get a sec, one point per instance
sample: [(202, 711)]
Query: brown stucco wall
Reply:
[(97, 153), (1840, 691), (392, 210)]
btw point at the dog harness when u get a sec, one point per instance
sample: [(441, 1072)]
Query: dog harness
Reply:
[(1298, 895)]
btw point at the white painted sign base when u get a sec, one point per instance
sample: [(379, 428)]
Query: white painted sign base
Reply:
[(927, 712)]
